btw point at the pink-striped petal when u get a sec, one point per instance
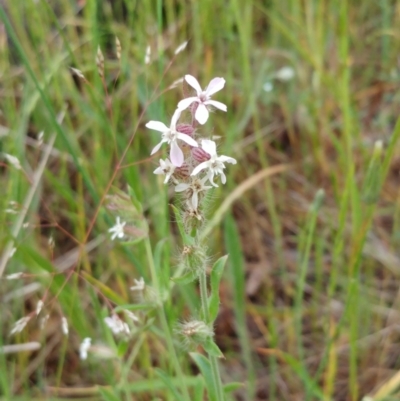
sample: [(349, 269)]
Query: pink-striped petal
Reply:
[(201, 114), (215, 85), (188, 139), (176, 154), (217, 105), (157, 126), (194, 83), (185, 103)]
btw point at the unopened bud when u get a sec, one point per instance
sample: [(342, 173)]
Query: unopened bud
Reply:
[(182, 173), (200, 155), (185, 129), (194, 333)]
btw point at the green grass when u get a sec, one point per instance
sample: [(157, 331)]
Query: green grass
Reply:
[(309, 297)]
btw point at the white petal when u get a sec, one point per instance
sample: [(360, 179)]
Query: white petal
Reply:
[(217, 105), (227, 159), (156, 148), (158, 170), (175, 118), (215, 85), (185, 103), (195, 200), (188, 139), (201, 114), (181, 187), (223, 178), (157, 126), (176, 154), (194, 83), (209, 146), (200, 167), (211, 179)]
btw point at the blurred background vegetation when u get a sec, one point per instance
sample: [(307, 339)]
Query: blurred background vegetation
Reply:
[(310, 299)]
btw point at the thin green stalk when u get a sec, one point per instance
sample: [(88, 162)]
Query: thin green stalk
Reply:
[(206, 316), (164, 320)]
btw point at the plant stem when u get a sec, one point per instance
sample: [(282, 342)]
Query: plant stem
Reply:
[(164, 320), (206, 316)]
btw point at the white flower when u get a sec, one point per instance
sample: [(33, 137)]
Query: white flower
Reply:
[(215, 165), (84, 348), (64, 325), (167, 168), (117, 230), (116, 325), (285, 74), (139, 285), (19, 325), (171, 136), (195, 187), (203, 98)]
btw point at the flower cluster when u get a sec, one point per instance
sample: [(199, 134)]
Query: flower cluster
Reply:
[(193, 162)]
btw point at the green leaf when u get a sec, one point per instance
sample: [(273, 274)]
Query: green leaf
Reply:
[(122, 348), (212, 348), (167, 381), (205, 368), (136, 307), (216, 275), (185, 279), (107, 394), (228, 388)]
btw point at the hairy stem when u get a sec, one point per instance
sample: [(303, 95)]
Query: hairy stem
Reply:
[(164, 320)]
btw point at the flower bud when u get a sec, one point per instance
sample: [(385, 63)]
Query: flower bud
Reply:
[(194, 333), (200, 155), (192, 219), (182, 173), (185, 129)]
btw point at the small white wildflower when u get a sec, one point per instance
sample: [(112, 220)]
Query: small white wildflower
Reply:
[(84, 348), (215, 165), (13, 161), (171, 135), (116, 325), (167, 168), (203, 98), (12, 252), (139, 285), (19, 325), (285, 74), (268, 86), (181, 47), (131, 315), (14, 276), (195, 187), (39, 307), (118, 229), (147, 56), (64, 325)]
